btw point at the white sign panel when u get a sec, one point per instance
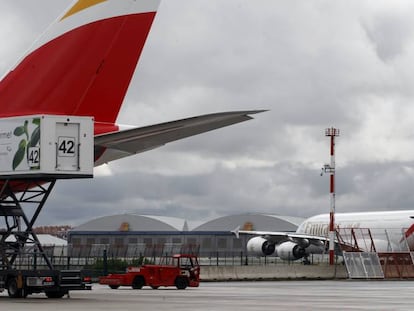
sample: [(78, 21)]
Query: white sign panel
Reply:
[(45, 144), (67, 146)]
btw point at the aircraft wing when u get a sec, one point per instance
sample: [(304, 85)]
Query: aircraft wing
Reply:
[(116, 145), (280, 237)]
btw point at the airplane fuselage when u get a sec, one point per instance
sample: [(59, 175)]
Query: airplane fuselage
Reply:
[(394, 224)]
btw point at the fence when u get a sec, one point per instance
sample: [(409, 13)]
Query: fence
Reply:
[(118, 257)]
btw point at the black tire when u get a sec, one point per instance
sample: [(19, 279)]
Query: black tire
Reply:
[(13, 290), (55, 295), (114, 286), (181, 283), (138, 282)]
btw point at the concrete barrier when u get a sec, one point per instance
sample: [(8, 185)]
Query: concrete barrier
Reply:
[(272, 272)]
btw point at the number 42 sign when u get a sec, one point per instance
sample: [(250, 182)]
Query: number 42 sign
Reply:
[(66, 146)]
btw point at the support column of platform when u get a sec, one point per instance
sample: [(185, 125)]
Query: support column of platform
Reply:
[(18, 235)]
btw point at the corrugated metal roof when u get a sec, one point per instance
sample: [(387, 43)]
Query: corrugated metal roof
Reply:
[(131, 222), (151, 223), (260, 222), (45, 240)]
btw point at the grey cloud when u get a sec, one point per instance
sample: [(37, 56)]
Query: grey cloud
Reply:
[(313, 64), (390, 34)]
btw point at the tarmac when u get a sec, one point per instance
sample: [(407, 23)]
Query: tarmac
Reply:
[(262, 295)]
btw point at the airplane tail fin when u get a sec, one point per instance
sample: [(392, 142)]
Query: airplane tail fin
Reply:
[(83, 63), (236, 232)]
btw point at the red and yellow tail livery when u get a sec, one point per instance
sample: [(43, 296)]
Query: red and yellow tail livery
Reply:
[(82, 66)]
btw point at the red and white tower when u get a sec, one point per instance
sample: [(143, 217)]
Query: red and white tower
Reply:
[(330, 168)]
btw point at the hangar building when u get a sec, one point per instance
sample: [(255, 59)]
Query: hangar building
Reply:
[(128, 234)]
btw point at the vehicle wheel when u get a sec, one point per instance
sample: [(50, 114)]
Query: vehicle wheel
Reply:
[(55, 294), (181, 283), (114, 286), (12, 289), (138, 282)]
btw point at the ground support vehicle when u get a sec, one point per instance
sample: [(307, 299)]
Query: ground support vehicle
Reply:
[(54, 283), (179, 270)]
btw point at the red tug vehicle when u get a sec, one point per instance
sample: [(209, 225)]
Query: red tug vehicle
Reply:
[(179, 270)]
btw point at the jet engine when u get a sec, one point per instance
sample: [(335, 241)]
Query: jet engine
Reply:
[(290, 251), (259, 246)]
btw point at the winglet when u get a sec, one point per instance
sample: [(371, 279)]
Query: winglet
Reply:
[(236, 232)]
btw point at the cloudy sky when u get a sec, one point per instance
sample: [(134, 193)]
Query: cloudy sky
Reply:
[(312, 64)]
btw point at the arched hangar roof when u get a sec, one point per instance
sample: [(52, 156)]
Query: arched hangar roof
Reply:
[(258, 222), (132, 222)]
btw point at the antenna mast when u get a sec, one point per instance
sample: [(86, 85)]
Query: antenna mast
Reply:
[(330, 168)]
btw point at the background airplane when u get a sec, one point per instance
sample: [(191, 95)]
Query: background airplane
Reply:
[(82, 65), (391, 231)]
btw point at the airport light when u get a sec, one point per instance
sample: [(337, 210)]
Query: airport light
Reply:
[(330, 168)]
